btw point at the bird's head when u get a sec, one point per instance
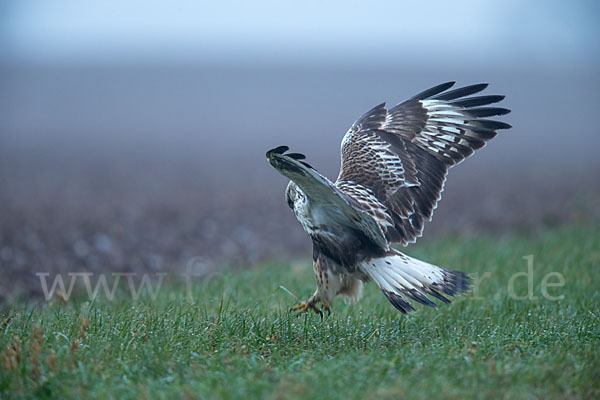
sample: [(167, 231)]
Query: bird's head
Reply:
[(292, 166), (293, 194)]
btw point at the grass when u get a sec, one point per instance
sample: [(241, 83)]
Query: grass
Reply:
[(238, 340)]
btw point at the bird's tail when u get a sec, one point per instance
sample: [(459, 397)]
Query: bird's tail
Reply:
[(403, 278)]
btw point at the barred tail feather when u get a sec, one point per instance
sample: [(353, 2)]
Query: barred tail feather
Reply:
[(403, 278)]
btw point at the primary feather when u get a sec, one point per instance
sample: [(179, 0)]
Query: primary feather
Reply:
[(402, 155)]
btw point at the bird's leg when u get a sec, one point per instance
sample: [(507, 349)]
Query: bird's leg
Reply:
[(310, 304)]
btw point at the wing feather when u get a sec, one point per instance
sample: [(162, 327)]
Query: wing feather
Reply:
[(341, 207), (401, 156)]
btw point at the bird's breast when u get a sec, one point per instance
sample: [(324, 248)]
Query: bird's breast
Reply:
[(330, 236), (320, 220)]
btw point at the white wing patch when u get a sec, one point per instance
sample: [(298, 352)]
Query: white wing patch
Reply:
[(446, 127)]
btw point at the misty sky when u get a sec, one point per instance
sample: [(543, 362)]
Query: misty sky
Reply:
[(309, 31)]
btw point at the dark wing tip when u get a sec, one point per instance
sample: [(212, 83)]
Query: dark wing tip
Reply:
[(296, 156), (278, 150), (461, 92), (478, 101), (480, 112), (491, 124), (433, 91), (299, 157)]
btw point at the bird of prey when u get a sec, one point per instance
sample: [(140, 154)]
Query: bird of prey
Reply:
[(393, 168)]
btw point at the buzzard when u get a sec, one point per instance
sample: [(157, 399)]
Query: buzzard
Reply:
[(393, 168)]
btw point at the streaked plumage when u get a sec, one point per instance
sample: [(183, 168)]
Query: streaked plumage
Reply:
[(394, 165)]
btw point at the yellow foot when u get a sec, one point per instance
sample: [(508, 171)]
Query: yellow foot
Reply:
[(304, 306)]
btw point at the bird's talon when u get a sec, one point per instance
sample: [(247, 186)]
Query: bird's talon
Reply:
[(304, 306)]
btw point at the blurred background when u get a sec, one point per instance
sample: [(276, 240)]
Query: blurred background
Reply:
[(133, 134)]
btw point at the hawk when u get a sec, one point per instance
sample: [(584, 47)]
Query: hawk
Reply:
[(393, 168)]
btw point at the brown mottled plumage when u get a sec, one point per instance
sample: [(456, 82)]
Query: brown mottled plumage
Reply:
[(394, 165)]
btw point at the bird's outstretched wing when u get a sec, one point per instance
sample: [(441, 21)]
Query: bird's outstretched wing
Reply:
[(400, 157), (340, 208)]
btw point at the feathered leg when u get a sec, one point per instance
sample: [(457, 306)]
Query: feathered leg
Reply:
[(328, 286)]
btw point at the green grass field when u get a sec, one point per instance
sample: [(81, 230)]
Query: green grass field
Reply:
[(238, 340)]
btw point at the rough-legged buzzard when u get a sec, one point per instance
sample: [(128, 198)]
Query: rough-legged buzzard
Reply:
[(394, 164)]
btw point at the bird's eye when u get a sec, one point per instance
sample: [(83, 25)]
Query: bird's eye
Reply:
[(290, 203)]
